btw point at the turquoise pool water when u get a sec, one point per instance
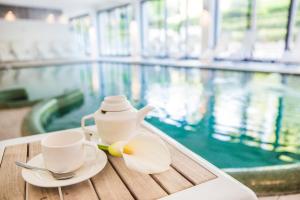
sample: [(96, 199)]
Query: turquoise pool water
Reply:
[(233, 119)]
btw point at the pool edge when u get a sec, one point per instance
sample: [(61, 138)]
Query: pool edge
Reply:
[(41, 112)]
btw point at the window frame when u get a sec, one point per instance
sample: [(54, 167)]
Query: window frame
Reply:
[(109, 10)]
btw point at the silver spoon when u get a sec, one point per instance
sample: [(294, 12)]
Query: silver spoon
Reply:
[(58, 176)]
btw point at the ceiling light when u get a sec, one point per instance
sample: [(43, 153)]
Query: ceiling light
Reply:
[(50, 18), (10, 16), (63, 19)]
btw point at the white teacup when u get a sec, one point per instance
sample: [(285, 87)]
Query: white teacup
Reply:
[(65, 152)]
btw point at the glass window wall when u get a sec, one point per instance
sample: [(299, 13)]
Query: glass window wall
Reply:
[(171, 28), (114, 31), (81, 27), (184, 29), (176, 28), (196, 18), (296, 30), (234, 29), (154, 37), (271, 28)]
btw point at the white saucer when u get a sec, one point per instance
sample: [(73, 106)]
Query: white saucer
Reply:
[(90, 168)]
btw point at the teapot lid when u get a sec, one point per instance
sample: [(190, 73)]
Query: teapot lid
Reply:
[(115, 104)]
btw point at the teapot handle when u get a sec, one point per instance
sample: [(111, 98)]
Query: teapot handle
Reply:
[(88, 132)]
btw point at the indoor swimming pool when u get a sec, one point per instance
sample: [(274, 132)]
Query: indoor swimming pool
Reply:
[(232, 119)]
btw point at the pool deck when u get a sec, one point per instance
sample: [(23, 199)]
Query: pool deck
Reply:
[(11, 122), (287, 197), (268, 67), (10, 127)]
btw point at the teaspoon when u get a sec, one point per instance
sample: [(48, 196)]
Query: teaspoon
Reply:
[(58, 176)]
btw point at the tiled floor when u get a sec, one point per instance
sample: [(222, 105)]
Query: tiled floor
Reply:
[(10, 127), (11, 122), (288, 197)]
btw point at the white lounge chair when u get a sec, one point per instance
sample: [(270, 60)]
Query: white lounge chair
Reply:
[(236, 50), (222, 46), (293, 54), (44, 51), (73, 50), (247, 45), (58, 50), (6, 54), (24, 51)]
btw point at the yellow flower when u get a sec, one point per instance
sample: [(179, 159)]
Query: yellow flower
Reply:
[(144, 153)]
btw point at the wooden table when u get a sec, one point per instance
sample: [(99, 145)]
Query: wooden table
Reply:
[(190, 177)]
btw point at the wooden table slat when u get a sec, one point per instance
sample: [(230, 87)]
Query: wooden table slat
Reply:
[(83, 190), (109, 186), (172, 181), (141, 185), (189, 168), (11, 182), (34, 149), (2, 149), (39, 193), (34, 192)]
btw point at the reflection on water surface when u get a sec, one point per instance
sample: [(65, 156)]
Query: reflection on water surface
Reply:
[(233, 119)]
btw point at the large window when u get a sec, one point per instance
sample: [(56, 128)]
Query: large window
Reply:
[(176, 27), (185, 29), (296, 30), (271, 28), (196, 18), (154, 36), (81, 26), (234, 28), (114, 31), (171, 28), (253, 29)]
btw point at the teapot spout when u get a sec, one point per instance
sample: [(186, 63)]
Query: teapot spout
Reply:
[(143, 112)]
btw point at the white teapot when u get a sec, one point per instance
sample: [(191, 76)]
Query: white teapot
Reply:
[(116, 119)]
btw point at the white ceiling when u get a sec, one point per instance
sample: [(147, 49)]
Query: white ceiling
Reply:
[(65, 5)]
